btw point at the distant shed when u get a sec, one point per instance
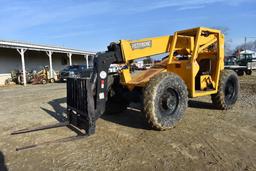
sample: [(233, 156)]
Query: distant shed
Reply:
[(248, 53), (27, 56)]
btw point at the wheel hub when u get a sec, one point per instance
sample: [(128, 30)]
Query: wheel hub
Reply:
[(229, 90), (169, 101)]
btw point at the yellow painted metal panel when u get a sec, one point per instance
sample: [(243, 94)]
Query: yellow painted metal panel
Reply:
[(145, 47), (143, 77)]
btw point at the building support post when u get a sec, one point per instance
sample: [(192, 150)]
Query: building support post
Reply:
[(49, 53), (70, 58), (87, 62), (22, 53)]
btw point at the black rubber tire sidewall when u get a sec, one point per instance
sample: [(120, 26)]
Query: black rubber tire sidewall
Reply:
[(248, 72), (234, 79), (152, 94), (52, 80), (240, 73), (116, 103), (44, 81), (219, 98)]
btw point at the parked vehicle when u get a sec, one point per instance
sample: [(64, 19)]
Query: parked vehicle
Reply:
[(73, 71), (42, 76), (147, 66), (20, 79), (246, 63)]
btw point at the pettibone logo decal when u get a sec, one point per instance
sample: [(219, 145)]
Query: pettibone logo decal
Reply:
[(141, 45)]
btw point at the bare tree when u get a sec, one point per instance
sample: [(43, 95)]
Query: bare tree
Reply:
[(228, 41), (249, 46)]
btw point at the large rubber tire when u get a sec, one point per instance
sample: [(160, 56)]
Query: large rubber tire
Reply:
[(248, 72), (116, 102), (20, 79), (52, 80), (44, 81), (240, 72), (228, 91), (165, 100)]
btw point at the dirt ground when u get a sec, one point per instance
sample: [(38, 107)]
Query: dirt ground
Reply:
[(206, 138)]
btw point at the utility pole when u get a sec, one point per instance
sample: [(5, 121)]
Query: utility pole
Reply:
[(245, 41)]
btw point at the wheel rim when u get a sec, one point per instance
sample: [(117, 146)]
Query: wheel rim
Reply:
[(230, 90), (169, 101)]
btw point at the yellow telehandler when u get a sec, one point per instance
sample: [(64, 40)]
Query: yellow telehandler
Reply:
[(194, 67)]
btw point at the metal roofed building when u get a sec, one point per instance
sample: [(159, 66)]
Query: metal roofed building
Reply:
[(26, 56), (248, 52)]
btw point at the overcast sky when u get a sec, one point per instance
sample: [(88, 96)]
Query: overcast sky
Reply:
[(92, 25)]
